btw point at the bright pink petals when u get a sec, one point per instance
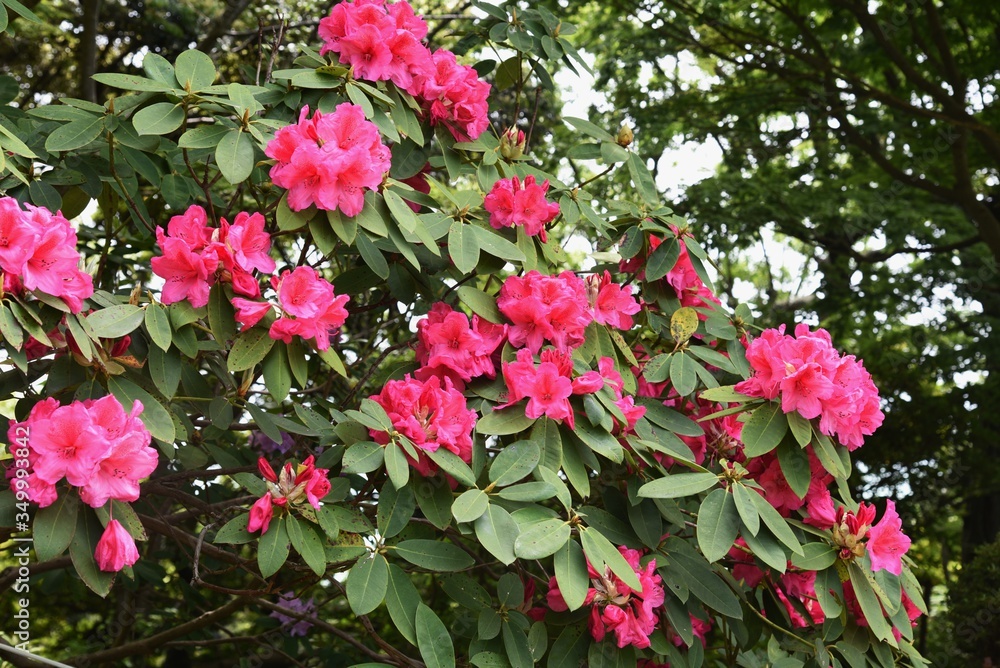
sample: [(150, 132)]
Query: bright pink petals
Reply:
[(612, 304), (812, 378), (450, 347), (294, 487), (329, 160), (116, 548), (38, 252), (195, 255), (311, 309), (887, 543), (615, 607), (95, 445), (545, 308), (510, 203), (432, 414)]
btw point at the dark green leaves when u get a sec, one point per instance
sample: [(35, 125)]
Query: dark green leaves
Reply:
[(433, 639), (678, 485), (367, 582), (718, 524), (434, 555), (764, 430), (272, 552)]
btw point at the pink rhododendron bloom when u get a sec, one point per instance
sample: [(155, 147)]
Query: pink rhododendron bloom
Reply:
[(66, 448), (249, 243), (813, 379), (329, 160), (432, 414), (294, 486), (116, 548), (512, 203), (38, 252), (887, 543), (310, 308), (545, 308), (130, 458), (249, 313), (455, 95), (260, 514), (449, 346), (615, 607), (187, 274), (612, 304)]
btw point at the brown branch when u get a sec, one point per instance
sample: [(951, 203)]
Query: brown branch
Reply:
[(146, 645)]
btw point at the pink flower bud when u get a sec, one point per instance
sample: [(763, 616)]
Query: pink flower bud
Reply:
[(116, 549), (260, 514), (266, 471)]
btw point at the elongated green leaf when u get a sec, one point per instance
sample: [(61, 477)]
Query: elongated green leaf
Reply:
[(396, 465), (600, 552), (277, 375), (815, 557), (495, 245), (132, 82), (115, 321), (434, 555), (510, 420), (678, 485), (497, 531), (154, 415), (235, 156), (451, 464), (433, 640), (571, 574), (463, 247), (54, 526), (194, 70), (401, 600), (718, 524), (75, 135), (367, 582), (250, 348), (764, 430), (776, 523), (746, 508), (514, 462), (307, 543), (470, 505), (158, 119), (81, 551), (870, 606), (481, 303), (234, 532), (158, 326), (272, 552), (542, 539)]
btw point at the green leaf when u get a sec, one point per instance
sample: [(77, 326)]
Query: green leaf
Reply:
[(235, 155), (81, 552), (767, 548), (234, 532), (395, 509), (746, 508), (372, 256), (815, 557), (528, 491), (154, 415), (764, 430), (396, 465), (434, 555), (470, 505), (401, 600), (571, 574), (514, 462), (678, 485), (308, 544), (542, 539), (601, 552), (724, 395), (718, 524), (165, 370), (452, 464), (115, 321), (328, 522), (599, 440), (794, 463), (250, 347), (433, 639), (642, 179), (132, 82), (497, 531), (463, 247), (870, 606), (272, 551), (194, 70), (158, 119), (277, 375), (662, 260), (776, 523), (481, 303), (668, 418), (221, 316), (570, 648), (801, 428), (516, 643), (205, 136), (502, 422), (363, 457), (158, 326), (495, 245), (586, 127), (367, 582), (75, 135), (683, 373), (11, 329), (53, 527)]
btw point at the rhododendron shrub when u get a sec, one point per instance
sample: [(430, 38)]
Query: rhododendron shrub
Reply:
[(319, 374)]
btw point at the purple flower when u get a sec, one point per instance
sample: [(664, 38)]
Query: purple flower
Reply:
[(292, 602), (259, 440)]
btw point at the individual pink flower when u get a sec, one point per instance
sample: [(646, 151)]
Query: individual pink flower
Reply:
[(329, 160), (248, 243), (612, 304), (449, 346), (887, 543), (187, 275), (130, 458), (512, 203), (454, 94), (116, 549), (310, 308), (615, 607), (432, 414), (249, 313), (260, 514), (67, 445), (545, 308), (17, 237)]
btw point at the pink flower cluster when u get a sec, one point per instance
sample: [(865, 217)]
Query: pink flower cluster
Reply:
[(617, 607), (38, 252), (549, 385), (295, 486), (886, 543), (815, 380), (95, 445), (195, 255), (545, 308), (449, 347), (611, 303), (512, 203), (310, 308), (432, 414), (381, 42), (329, 160)]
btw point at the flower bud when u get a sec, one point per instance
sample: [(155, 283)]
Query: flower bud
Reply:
[(512, 143), (625, 136), (116, 549)]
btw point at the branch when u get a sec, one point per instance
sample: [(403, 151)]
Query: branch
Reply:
[(883, 255), (146, 645)]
